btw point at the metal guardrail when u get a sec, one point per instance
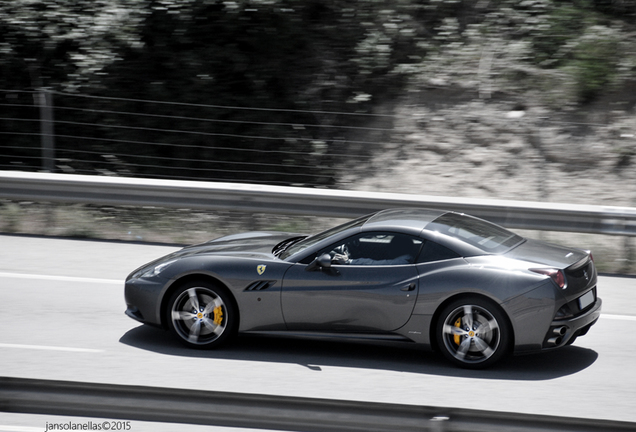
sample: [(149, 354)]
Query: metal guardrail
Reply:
[(20, 395), (610, 220)]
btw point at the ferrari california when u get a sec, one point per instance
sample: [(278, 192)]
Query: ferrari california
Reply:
[(451, 282)]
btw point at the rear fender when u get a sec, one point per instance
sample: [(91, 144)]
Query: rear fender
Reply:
[(443, 280)]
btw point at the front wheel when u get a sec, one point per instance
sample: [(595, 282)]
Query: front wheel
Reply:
[(473, 333), (201, 315)]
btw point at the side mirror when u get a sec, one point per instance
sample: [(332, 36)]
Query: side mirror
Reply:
[(323, 261)]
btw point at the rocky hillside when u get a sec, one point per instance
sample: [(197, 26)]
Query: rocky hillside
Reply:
[(506, 149), (534, 101)]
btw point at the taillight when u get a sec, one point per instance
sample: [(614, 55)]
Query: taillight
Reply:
[(555, 274)]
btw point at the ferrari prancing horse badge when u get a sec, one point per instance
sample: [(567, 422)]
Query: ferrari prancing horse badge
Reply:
[(261, 269)]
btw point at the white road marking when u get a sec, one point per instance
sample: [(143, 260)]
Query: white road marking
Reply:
[(619, 317), (61, 278), (50, 348)]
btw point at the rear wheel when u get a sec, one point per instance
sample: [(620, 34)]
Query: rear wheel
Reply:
[(201, 315), (473, 333)]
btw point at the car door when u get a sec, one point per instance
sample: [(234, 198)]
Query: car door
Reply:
[(376, 292)]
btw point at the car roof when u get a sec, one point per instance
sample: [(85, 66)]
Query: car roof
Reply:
[(412, 219), (416, 222)]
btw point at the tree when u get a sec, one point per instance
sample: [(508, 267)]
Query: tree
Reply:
[(64, 44)]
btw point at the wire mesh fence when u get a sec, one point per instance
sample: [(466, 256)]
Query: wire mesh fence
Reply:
[(43, 130), (156, 139)]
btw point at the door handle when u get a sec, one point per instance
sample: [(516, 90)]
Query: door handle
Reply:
[(411, 287)]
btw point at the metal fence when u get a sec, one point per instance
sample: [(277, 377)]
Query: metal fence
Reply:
[(306, 201), (269, 412), (89, 134), (45, 130)]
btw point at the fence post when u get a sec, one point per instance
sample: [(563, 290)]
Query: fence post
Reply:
[(46, 130)]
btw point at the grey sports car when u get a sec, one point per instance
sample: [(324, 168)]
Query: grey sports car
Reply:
[(451, 282)]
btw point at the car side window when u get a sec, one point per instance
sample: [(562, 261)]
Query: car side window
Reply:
[(432, 251), (376, 248)]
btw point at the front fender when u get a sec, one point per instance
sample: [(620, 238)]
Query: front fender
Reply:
[(253, 282)]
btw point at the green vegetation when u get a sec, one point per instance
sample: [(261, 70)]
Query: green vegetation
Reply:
[(298, 62)]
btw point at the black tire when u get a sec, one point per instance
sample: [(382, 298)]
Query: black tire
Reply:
[(201, 315), (473, 333)]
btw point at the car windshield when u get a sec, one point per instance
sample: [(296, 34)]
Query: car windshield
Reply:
[(310, 241), (486, 236)]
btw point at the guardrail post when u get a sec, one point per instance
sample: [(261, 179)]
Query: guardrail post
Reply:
[(630, 258), (46, 130)]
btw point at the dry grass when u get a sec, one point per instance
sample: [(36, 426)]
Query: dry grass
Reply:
[(612, 254)]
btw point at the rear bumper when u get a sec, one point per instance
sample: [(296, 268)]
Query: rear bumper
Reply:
[(562, 332)]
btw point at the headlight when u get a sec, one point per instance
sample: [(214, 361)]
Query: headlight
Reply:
[(154, 271)]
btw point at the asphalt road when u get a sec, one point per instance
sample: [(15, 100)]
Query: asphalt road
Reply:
[(61, 318)]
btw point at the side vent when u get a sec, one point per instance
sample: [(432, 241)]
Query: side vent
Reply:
[(259, 285)]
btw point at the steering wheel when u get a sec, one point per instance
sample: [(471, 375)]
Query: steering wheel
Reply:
[(341, 254)]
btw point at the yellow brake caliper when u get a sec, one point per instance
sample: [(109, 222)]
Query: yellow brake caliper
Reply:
[(457, 338), (218, 315)]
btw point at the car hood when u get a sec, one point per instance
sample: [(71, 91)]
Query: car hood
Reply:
[(251, 243), (546, 254)]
